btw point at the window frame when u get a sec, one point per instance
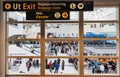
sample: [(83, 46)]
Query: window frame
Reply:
[(80, 40)]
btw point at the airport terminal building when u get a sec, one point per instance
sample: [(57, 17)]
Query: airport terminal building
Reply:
[(86, 45)]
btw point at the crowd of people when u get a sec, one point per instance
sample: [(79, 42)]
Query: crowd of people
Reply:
[(55, 65), (100, 67), (61, 65), (69, 48)]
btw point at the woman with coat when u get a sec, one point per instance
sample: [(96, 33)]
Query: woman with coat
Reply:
[(50, 66)]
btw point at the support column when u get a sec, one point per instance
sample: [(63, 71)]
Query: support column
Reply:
[(43, 48), (81, 44), (2, 41)]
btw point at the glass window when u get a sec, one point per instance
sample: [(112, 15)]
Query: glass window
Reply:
[(16, 16), (24, 31), (22, 66), (74, 15), (101, 13), (100, 66), (62, 48), (61, 30), (24, 48), (100, 30), (100, 48), (60, 66)]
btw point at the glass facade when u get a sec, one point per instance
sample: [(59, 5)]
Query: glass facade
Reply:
[(87, 44)]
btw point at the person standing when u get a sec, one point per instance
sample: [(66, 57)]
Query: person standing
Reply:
[(95, 63), (37, 63), (113, 68), (93, 69), (34, 63), (58, 60), (50, 66), (56, 67), (28, 65), (106, 68), (32, 49), (55, 52), (102, 68), (63, 64)]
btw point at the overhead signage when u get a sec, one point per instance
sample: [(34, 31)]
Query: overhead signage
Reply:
[(65, 15), (47, 6)]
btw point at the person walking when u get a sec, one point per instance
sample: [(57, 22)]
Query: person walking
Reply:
[(63, 64), (50, 66), (54, 63)]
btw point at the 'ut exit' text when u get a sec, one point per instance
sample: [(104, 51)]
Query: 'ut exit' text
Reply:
[(24, 6)]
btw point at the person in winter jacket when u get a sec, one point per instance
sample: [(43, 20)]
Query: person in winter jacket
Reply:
[(50, 66), (56, 67), (28, 65)]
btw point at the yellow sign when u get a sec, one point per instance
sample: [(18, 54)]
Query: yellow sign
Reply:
[(64, 14), (7, 6)]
